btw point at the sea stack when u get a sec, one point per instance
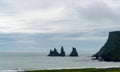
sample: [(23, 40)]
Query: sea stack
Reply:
[(54, 52), (51, 53), (62, 53), (74, 52), (111, 49)]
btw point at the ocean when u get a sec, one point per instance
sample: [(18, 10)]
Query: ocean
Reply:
[(14, 61)]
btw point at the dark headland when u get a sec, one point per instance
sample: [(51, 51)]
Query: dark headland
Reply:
[(111, 49)]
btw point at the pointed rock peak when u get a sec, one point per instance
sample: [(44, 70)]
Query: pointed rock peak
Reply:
[(73, 48), (51, 53), (54, 52), (55, 49), (50, 50), (62, 53), (74, 52), (62, 49)]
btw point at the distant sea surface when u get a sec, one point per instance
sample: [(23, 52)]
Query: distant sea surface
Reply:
[(31, 61)]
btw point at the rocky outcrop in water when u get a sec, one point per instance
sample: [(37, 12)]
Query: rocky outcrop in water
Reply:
[(74, 52), (62, 53), (111, 49), (55, 52)]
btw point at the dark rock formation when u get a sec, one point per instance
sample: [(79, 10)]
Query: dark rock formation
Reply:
[(62, 53), (111, 50), (54, 53), (51, 53), (74, 52)]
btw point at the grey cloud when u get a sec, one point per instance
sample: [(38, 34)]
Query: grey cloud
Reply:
[(38, 4), (94, 19), (96, 11), (75, 25)]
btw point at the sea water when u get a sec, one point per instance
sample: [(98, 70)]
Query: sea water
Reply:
[(14, 61)]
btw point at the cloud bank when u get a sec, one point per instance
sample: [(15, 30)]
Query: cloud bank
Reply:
[(76, 20)]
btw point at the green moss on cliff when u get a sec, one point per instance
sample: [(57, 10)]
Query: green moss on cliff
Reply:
[(111, 50)]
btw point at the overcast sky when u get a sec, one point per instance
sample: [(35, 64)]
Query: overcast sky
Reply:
[(40, 25)]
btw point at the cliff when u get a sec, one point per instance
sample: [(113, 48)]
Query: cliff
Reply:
[(111, 49)]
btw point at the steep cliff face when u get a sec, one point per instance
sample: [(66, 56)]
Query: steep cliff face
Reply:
[(111, 50)]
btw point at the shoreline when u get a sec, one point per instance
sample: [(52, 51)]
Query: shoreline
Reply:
[(111, 69), (58, 69)]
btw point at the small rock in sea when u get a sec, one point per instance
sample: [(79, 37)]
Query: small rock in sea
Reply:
[(74, 52)]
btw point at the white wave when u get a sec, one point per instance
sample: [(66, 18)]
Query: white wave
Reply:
[(17, 70), (8, 70)]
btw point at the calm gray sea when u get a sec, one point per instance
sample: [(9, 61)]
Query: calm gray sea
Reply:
[(30, 61)]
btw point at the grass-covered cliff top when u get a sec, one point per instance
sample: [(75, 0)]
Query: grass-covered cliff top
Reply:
[(80, 70)]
